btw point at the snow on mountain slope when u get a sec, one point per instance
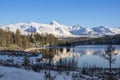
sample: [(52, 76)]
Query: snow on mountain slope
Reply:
[(79, 30), (54, 23), (56, 29), (95, 31), (52, 28), (103, 30), (61, 30)]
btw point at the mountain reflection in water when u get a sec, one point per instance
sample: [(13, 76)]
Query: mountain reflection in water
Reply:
[(91, 55)]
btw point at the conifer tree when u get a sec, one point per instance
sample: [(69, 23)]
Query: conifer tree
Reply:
[(1, 37), (24, 42), (8, 37), (18, 39)]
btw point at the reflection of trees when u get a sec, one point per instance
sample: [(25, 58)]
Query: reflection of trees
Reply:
[(68, 64), (56, 54), (68, 49), (65, 53), (61, 53), (61, 50), (48, 53)]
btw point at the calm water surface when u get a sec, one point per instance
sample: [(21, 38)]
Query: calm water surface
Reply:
[(88, 54), (93, 55)]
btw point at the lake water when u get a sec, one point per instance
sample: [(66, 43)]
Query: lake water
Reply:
[(91, 55)]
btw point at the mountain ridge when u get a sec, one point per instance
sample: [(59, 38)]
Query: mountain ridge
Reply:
[(61, 30)]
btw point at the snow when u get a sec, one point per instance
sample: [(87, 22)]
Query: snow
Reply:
[(19, 74), (79, 30), (19, 59), (9, 73), (94, 31), (54, 23), (61, 30)]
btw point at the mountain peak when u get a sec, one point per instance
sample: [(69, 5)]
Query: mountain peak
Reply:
[(76, 25), (53, 22), (102, 27), (31, 22)]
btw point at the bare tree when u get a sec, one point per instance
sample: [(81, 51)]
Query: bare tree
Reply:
[(110, 55)]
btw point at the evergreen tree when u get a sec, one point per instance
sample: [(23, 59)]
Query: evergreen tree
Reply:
[(18, 39), (8, 37), (25, 42), (51, 39), (1, 37)]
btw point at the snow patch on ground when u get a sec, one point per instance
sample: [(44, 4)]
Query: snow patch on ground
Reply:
[(8, 73)]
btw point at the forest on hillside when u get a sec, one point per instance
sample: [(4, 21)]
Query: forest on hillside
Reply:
[(11, 40), (17, 40)]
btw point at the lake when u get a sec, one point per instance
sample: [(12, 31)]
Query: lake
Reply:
[(91, 55)]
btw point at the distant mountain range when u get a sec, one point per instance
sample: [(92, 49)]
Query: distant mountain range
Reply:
[(61, 30)]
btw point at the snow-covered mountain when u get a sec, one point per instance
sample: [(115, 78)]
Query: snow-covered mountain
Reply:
[(94, 31), (61, 30), (79, 30), (52, 28)]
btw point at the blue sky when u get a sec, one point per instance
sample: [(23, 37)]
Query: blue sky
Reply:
[(87, 13)]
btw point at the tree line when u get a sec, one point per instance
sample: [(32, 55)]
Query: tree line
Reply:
[(105, 40), (19, 41)]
